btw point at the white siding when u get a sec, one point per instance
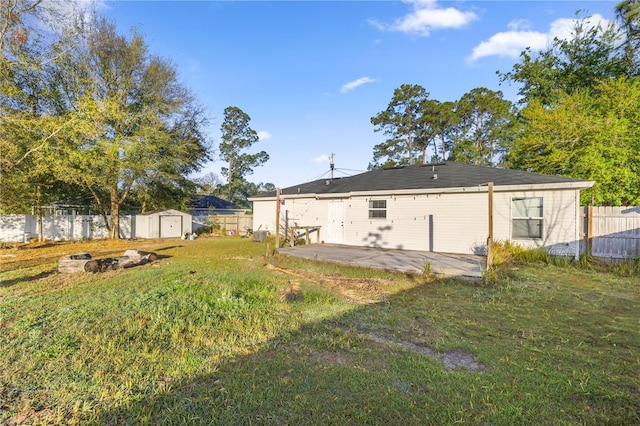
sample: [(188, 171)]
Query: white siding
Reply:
[(560, 234), (435, 222), (448, 223), (163, 224)]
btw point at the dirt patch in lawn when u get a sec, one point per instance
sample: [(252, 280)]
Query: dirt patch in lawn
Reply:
[(361, 291), (454, 360), (369, 291)]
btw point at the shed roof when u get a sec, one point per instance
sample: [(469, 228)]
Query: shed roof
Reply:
[(428, 176), (164, 212)]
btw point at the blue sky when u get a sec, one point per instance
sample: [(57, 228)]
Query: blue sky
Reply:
[(312, 74)]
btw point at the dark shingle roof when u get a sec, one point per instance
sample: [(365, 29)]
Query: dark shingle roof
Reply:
[(211, 201), (449, 175)]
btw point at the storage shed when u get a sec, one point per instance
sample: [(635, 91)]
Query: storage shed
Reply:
[(440, 207), (162, 224)]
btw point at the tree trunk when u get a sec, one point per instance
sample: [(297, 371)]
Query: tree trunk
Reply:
[(39, 211), (230, 179), (115, 214)]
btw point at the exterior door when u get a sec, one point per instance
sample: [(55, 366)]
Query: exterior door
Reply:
[(170, 226), (335, 222)]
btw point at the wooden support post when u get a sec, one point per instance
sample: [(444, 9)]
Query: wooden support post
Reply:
[(589, 230), (490, 238), (277, 218)]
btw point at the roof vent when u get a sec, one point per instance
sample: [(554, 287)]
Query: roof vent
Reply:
[(327, 182), (435, 176)]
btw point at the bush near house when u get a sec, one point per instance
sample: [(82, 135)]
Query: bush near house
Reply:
[(220, 331)]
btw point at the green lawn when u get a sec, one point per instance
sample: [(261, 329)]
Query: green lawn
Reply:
[(218, 331)]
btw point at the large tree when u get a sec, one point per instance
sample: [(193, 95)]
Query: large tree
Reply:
[(29, 124), (590, 134), (484, 123), (209, 184), (590, 54), (628, 13), (238, 136), (443, 121), (136, 124), (400, 122)]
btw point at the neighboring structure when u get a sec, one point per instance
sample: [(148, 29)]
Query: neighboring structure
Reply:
[(209, 205), (436, 207), (211, 211), (162, 224)]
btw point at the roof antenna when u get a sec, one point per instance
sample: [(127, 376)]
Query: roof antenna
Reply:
[(331, 164)]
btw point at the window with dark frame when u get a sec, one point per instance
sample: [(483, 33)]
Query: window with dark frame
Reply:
[(377, 209), (527, 217)]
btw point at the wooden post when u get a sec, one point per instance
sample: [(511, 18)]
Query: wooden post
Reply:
[(277, 218), (589, 230), (490, 238)]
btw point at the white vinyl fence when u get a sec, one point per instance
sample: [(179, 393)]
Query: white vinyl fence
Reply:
[(22, 228), (612, 232)]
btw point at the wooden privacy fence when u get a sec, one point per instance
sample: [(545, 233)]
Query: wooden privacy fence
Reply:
[(236, 224), (611, 232)]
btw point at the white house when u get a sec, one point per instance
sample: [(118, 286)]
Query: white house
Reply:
[(435, 207)]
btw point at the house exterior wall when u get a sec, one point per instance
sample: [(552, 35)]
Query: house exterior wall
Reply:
[(440, 222), (561, 226)]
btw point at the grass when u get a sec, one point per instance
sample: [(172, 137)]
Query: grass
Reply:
[(219, 331)]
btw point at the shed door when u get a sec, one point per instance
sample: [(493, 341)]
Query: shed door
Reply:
[(335, 222), (170, 226)]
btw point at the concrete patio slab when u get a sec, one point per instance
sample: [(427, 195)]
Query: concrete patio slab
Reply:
[(407, 261)]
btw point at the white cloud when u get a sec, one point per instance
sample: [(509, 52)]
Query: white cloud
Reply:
[(194, 65), (323, 158), (519, 25), (57, 14), (355, 83), (509, 44), (512, 43), (427, 15), (263, 135)]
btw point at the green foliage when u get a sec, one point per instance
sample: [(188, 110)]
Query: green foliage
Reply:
[(628, 13), (92, 113), (628, 268), (590, 134), (238, 136), (138, 131), (400, 122), (475, 129), (485, 125), (581, 61)]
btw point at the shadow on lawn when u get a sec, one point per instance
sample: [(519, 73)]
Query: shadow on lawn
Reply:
[(286, 377), (26, 278)]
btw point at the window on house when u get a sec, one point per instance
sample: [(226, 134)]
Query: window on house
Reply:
[(377, 209), (526, 218)]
